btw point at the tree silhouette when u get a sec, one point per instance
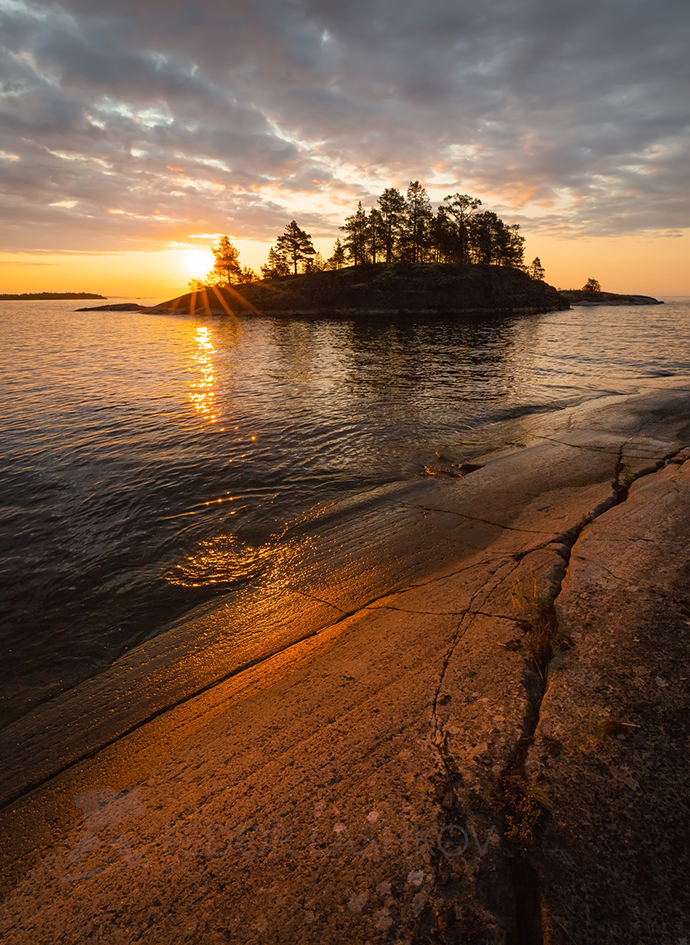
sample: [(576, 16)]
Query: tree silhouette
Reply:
[(377, 234), (277, 265), (592, 285), (535, 270), (493, 242), (459, 211), (356, 241), (295, 244), (315, 264), (338, 259), (392, 204), (226, 269), (407, 229), (417, 228), (246, 275), (511, 246)]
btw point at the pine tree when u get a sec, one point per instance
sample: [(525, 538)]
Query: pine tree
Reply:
[(460, 209), (356, 241), (376, 232), (535, 270), (276, 266), (416, 232), (296, 245), (392, 204), (338, 258), (511, 246), (226, 269), (483, 239), (316, 264), (247, 275)]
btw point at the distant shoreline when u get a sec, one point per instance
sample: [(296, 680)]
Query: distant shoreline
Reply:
[(44, 296)]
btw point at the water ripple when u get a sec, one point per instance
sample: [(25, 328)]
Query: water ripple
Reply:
[(150, 464)]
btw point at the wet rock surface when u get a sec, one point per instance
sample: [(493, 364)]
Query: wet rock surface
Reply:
[(491, 754)]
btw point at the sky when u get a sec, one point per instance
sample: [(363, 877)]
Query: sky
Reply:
[(134, 134)]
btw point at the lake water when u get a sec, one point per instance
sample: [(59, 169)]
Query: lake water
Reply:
[(154, 464)]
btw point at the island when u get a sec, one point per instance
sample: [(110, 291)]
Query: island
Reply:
[(45, 296), (583, 297), (378, 290), (385, 290)]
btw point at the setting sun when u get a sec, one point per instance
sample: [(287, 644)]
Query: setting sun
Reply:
[(196, 263)]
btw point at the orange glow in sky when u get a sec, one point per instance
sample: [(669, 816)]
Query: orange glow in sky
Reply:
[(631, 263), (128, 149)]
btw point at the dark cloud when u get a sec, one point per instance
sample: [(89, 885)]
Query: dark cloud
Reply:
[(138, 120)]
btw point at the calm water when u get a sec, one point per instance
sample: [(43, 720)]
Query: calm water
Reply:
[(151, 464)]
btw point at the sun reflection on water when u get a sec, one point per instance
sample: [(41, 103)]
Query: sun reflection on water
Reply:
[(202, 392)]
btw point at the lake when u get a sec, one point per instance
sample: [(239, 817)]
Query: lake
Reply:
[(152, 465)]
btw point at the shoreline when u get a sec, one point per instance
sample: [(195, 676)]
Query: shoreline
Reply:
[(413, 704), (155, 676)]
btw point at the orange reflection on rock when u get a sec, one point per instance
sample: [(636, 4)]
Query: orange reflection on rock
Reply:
[(227, 560), (202, 390)]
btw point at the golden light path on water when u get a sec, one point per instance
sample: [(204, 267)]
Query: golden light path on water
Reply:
[(202, 389), (223, 558)]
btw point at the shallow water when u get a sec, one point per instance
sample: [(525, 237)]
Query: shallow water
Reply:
[(152, 464)]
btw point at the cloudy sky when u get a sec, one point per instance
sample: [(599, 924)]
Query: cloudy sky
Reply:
[(149, 126)]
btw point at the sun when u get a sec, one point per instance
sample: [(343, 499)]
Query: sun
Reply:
[(197, 262)]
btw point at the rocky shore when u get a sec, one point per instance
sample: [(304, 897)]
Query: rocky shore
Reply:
[(491, 752)]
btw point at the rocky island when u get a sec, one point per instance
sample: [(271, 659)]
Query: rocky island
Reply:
[(386, 290), (381, 290), (583, 297)]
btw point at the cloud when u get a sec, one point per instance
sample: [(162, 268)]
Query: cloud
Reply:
[(184, 117)]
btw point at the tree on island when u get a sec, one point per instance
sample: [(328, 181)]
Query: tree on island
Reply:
[(226, 268), (315, 264), (535, 270), (356, 242), (495, 243), (276, 266), (406, 229), (415, 237), (338, 258), (592, 285), (457, 228), (392, 208), (295, 245)]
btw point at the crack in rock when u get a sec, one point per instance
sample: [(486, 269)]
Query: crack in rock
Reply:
[(528, 922)]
